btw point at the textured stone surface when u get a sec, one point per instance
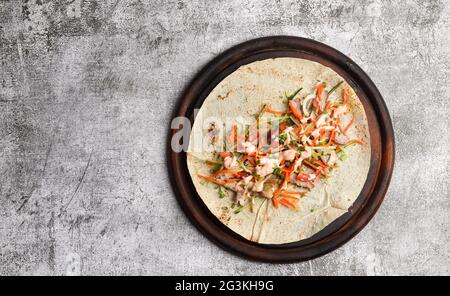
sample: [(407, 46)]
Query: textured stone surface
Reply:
[(87, 89)]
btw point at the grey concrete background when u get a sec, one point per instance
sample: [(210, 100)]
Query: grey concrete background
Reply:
[(87, 89)]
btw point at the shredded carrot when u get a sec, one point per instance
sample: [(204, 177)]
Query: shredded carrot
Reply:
[(316, 105), (316, 167), (310, 164), (286, 177), (332, 136), (232, 137), (298, 128), (321, 134), (318, 96), (291, 168), (321, 171), (226, 172), (319, 90), (349, 125), (270, 110), (294, 111), (323, 165), (284, 194), (275, 201), (231, 181), (344, 96), (319, 163), (211, 179), (338, 121), (355, 141), (287, 203), (295, 192), (328, 106)]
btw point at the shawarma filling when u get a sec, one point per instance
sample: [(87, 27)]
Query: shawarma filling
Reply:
[(298, 146)]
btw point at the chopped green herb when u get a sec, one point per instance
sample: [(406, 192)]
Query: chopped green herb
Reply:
[(283, 118), (333, 89), (341, 154), (222, 192), (261, 112), (252, 204), (212, 162), (282, 138), (216, 168), (240, 208), (289, 121), (315, 155), (277, 171), (350, 144), (242, 165), (290, 97), (311, 210)]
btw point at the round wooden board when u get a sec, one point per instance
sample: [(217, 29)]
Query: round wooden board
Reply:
[(382, 150)]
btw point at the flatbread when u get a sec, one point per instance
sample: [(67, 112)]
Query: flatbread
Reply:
[(243, 93)]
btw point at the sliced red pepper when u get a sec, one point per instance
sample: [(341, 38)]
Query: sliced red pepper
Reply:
[(303, 177)]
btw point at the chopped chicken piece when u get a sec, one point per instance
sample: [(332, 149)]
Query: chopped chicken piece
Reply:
[(230, 162), (289, 154)]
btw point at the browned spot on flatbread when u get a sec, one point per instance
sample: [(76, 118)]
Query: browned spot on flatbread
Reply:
[(213, 131), (224, 215), (223, 97)]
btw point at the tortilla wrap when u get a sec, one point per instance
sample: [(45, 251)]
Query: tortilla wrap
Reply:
[(243, 93)]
